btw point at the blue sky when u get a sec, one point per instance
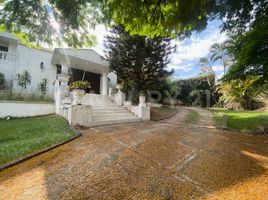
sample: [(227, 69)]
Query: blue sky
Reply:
[(185, 60)]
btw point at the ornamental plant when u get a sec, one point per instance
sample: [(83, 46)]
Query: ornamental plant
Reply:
[(23, 80), (83, 85), (2, 80), (43, 87)]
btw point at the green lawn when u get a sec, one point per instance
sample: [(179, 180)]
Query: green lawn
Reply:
[(22, 136), (160, 113), (192, 117), (246, 121)]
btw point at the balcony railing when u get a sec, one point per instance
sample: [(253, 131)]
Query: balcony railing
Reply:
[(5, 56)]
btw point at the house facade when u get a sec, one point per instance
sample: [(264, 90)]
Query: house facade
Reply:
[(41, 63), (100, 105)]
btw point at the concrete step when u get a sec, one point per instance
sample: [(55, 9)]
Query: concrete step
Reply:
[(103, 118), (111, 122), (115, 114), (109, 111)]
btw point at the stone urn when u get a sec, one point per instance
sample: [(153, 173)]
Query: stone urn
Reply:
[(78, 95), (119, 87)]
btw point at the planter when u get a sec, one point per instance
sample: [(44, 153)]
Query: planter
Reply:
[(119, 87), (78, 96)]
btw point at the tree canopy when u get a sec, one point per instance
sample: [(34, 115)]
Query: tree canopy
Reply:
[(148, 18), (51, 21), (137, 60)]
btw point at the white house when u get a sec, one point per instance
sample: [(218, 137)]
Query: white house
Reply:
[(16, 57), (61, 67)]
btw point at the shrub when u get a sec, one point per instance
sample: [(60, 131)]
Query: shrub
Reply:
[(43, 87), (23, 80), (83, 85)]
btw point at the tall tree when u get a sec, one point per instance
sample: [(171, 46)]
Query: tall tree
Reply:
[(138, 60), (250, 51), (220, 52)]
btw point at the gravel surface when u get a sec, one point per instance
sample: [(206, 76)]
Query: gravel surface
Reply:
[(151, 160)]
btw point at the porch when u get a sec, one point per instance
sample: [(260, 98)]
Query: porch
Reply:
[(83, 64)]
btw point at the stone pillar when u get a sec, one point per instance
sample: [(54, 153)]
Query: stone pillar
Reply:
[(110, 92), (143, 110), (80, 115), (61, 91), (104, 81)]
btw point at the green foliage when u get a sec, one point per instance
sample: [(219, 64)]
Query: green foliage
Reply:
[(246, 121), (43, 87), (23, 80), (34, 22), (195, 90), (138, 61), (9, 96), (83, 85), (250, 51), (160, 18), (2, 79), (148, 18), (239, 91), (22, 136), (220, 52)]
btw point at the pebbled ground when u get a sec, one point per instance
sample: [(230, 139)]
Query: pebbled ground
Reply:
[(150, 160)]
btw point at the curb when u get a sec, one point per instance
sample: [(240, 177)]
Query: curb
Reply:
[(39, 152)]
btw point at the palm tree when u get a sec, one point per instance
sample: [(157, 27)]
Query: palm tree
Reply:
[(219, 52), (206, 66), (207, 70)]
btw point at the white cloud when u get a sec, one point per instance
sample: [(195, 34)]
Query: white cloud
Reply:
[(185, 67), (190, 50)]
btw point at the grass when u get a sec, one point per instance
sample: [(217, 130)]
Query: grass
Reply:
[(160, 113), (192, 117), (27, 98), (245, 121), (22, 136)]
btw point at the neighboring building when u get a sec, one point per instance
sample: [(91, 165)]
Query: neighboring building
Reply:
[(16, 57)]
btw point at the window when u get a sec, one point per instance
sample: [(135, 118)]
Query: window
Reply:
[(3, 52), (58, 69), (2, 48)]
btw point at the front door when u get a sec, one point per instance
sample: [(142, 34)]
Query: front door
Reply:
[(94, 79)]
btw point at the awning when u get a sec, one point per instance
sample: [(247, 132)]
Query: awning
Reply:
[(83, 59)]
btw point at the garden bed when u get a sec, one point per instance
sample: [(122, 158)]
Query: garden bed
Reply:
[(20, 137), (162, 113)]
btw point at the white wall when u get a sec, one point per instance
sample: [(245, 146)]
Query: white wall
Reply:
[(30, 59), (8, 66), (113, 79), (25, 109)]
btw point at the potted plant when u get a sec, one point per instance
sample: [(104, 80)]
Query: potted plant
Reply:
[(78, 88)]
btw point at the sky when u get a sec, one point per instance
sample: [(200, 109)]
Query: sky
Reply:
[(188, 51)]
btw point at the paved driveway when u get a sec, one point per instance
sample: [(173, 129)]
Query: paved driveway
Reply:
[(152, 160)]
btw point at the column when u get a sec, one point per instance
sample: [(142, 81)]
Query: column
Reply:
[(104, 85)]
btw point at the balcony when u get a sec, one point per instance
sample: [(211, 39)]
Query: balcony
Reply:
[(5, 56)]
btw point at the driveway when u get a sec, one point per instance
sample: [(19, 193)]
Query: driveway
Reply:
[(150, 160)]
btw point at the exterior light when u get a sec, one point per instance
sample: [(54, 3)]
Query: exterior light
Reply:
[(42, 65)]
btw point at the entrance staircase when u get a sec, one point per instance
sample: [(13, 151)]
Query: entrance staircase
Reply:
[(105, 111)]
